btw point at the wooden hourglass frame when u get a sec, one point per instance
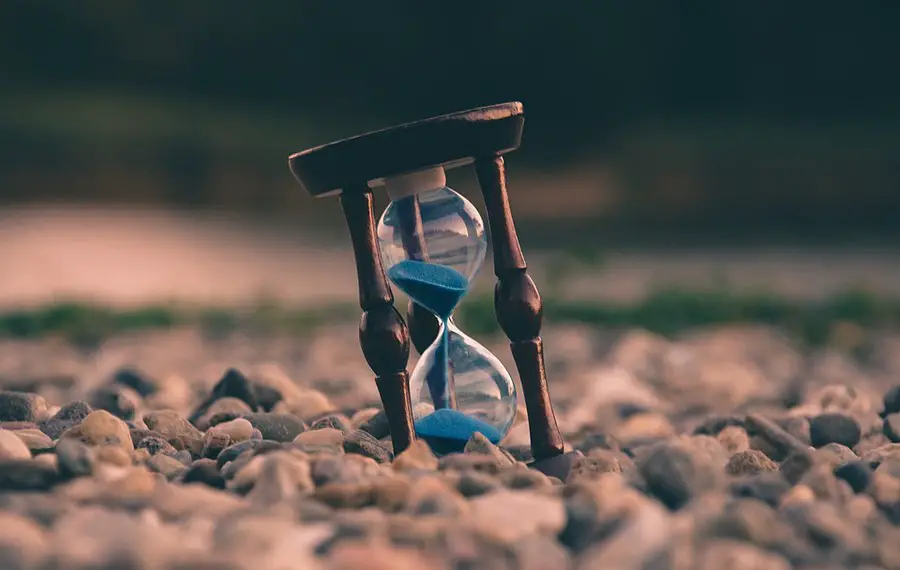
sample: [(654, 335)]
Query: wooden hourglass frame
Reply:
[(350, 168)]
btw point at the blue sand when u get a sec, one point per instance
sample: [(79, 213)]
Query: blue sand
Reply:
[(439, 289), (447, 430)]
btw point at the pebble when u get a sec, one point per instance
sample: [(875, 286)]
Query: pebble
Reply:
[(120, 401), (735, 555), (232, 385), (749, 462), (478, 444), (307, 405), (167, 466), (363, 443), (417, 457), (133, 379), (891, 401), (733, 439), (223, 410), (376, 424), (507, 516), (321, 439), (26, 475), (16, 407), (155, 445), (891, 427), (67, 417), (237, 430), (74, 459), (101, 428), (432, 496), (857, 474), (334, 421), (180, 433), (213, 443), (677, 472), (204, 471), (12, 447), (521, 477), (232, 452), (472, 483), (23, 543), (35, 439), (277, 426), (834, 428)]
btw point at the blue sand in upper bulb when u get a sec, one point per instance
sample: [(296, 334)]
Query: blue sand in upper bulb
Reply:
[(448, 430), (438, 288)]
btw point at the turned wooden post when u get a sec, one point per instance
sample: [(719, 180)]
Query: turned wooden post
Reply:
[(519, 309), (383, 335)]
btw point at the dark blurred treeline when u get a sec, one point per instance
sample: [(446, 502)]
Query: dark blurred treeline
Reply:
[(613, 79)]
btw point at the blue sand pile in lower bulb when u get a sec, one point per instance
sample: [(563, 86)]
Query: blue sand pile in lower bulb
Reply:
[(447, 430), (438, 288)]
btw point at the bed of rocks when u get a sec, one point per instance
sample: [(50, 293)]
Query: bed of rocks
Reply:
[(729, 448)]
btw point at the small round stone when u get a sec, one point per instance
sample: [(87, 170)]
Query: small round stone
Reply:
[(857, 474), (16, 407), (749, 462), (204, 471), (834, 428), (12, 447)]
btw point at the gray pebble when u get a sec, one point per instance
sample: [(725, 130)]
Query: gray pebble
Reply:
[(26, 475), (377, 425), (363, 443), (120, 401), (834, 428), (16, 407), (74, 459), (277, 426), (335, 421), (677, 472)]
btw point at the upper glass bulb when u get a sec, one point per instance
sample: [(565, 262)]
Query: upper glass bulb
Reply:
[(435, 226)]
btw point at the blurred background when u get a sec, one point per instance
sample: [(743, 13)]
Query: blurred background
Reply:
[(144, 144)]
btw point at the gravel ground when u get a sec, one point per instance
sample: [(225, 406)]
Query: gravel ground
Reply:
[(729, 448)]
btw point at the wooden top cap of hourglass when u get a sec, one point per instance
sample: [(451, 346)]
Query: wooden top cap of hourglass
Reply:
[(449, 140)]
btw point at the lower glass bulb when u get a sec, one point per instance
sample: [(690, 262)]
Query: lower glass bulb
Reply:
[(458, 388)]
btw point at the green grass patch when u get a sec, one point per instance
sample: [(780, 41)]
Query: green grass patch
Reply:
[(667, 312)]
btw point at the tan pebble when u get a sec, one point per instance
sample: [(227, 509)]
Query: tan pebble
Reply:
[(324, 436), (417, 456), (114, 455), (390, 493), (734, 439), (141, 455), (34, 438), (362, 416), (12, 447), (168, 466), (48, 459), (102, 428), (238, 429), (798, 495)]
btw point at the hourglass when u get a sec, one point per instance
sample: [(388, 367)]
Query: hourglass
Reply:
[(430, 243)]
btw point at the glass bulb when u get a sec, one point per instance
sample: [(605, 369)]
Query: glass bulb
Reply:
[(476, 394), (436, 226)]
